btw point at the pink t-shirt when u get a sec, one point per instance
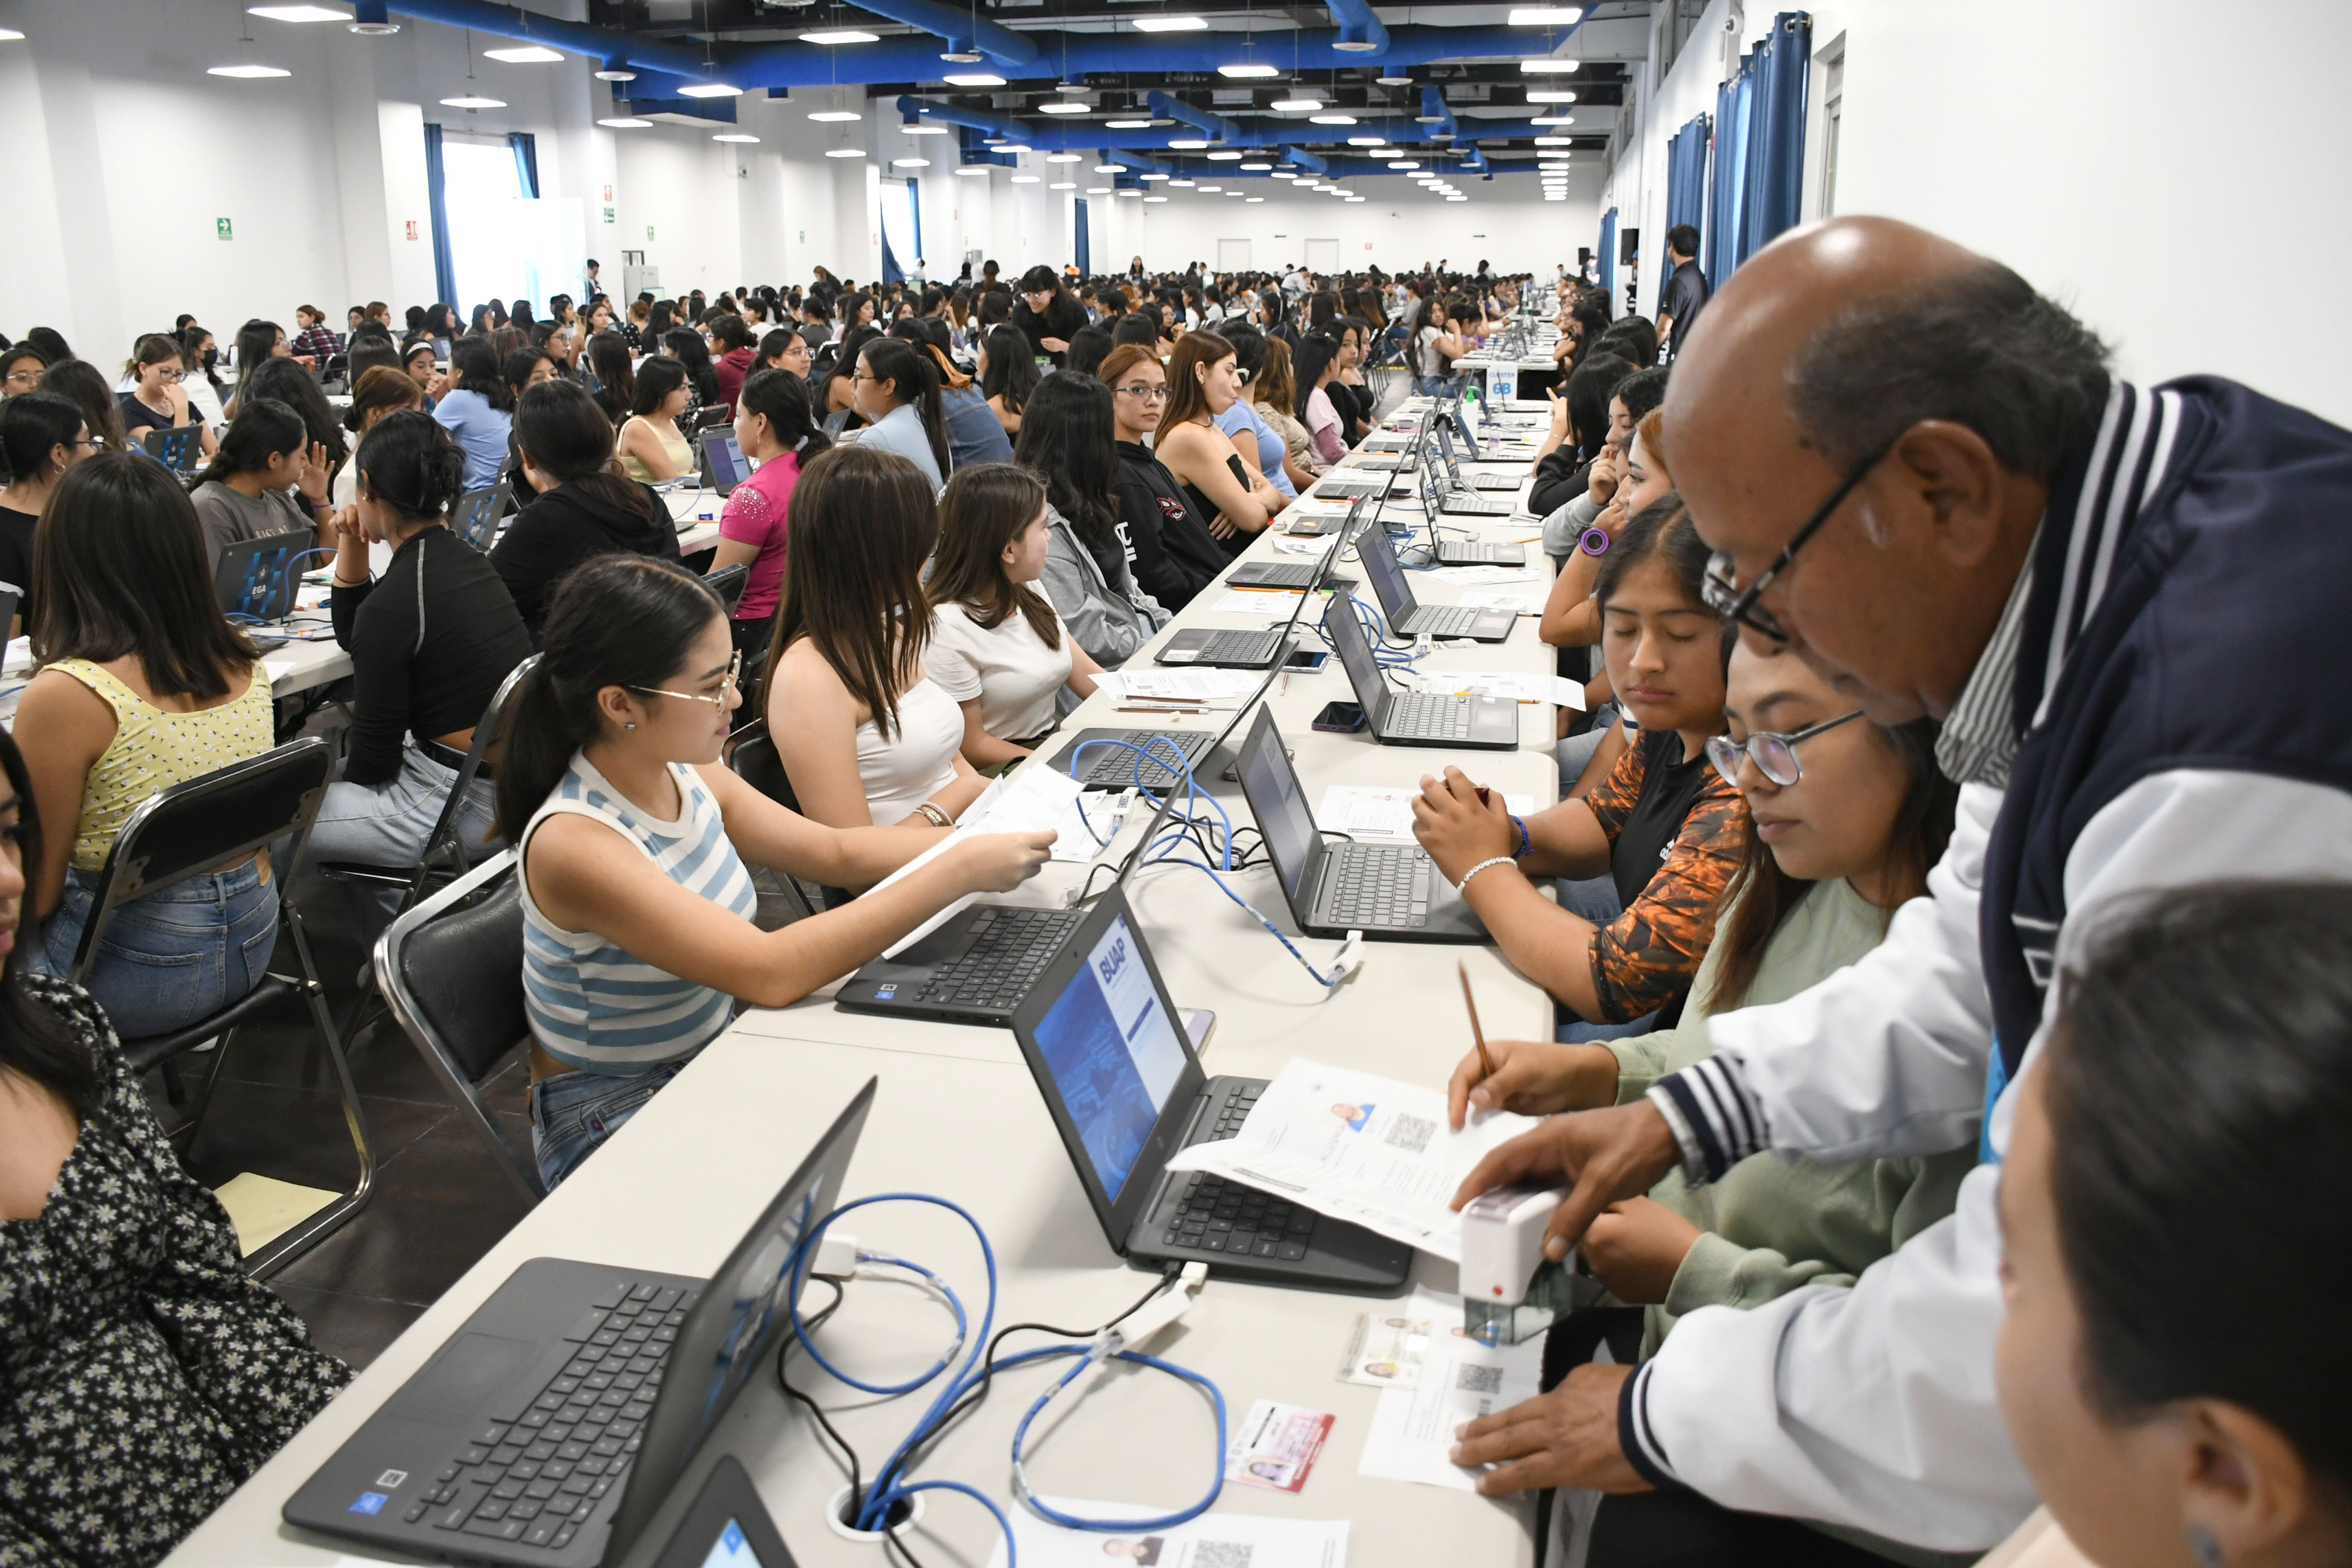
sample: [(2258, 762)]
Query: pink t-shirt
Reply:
[(754, 514)]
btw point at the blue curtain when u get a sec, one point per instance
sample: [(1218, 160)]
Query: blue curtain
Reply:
[(1759, 146), (1085, 263), (526, 154), (1730, 178), (1687, 174), (445, 266), (1608, 258)]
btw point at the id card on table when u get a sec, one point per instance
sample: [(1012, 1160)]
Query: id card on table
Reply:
[(1277, 1446)]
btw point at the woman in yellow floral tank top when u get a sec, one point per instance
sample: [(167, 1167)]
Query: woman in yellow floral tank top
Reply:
[(142, 684)]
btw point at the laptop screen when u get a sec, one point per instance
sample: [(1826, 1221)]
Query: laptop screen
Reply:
[(727, 468), (1379, 561), (1271, 785), (1114, 1053), (1346, 636), (733, 1550)]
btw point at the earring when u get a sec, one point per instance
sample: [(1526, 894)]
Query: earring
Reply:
[(628, 726), (2203, 1547)]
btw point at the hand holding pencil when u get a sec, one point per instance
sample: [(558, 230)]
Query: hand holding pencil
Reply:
[(1533, 1077)]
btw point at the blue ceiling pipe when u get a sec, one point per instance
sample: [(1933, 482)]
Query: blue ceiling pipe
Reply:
[(1219, 128), (1361, 31), (1434, 111), (997, 41), (596, 43), (1299, 157)]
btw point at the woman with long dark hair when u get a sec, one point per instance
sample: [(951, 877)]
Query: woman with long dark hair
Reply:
[(1008, 374), (1204, 380), (651, 445), (157, 400), (1175, 555), (777, 430), (41, 435), (863, 732), (637, 904), (1316, 367), (268, 476), (288, 383), (258, 343), (685, 345), (478, 408), (612, 376), (583, 509), (142, 684), (83, 384), (997, 646), (897, 390), (1072, 447)]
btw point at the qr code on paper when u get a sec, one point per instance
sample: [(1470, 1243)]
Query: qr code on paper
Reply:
[(1411, 1133), (1221, 1554), (1478, 1379)]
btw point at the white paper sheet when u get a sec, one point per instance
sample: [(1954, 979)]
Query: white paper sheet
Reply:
[(1034, 797), (1359, 1147), (1518, 686), (1487, 574), (1461, 1380), (1211, 688), (1256, 602), (1366, 811), (1517, 604), (1213, 1541)]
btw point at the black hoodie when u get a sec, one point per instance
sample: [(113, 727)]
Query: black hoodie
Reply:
[(1175, 554), (566, 526)]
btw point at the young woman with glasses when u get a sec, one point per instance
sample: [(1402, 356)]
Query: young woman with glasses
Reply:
[(41, 435), (1175, 554), (635, 839), (157, 399)]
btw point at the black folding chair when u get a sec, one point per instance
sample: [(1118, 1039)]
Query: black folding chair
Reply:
[(729, 582), (451, 970), (188, 829), (752, 757)]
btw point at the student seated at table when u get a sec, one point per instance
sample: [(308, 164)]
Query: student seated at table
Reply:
[(41, 435), (776, 428), (1008, 374), (268, 477), (81, 384), (430, 640), (973, 434), (1664, 825), (997, 646), (1204, 380), (419, 361), (21, 365), (864, 734), (143, 684), (583, 509), (148, 1374), (2185, 1123), (1256, 436), (1630, 403), (732, 338), (157, 400), (1318, 367), (478, 408), (1069, 444), (637, 905), (896, 391), (373, 397), (651, 445), (1571, 616)]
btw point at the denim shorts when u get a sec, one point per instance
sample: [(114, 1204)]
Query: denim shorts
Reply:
[(573, 1114), (173, 956)]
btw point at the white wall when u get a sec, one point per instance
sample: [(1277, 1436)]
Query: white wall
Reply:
[(2133, 158)]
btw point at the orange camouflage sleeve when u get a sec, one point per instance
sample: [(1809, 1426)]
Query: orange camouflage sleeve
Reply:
[(1613, 799), (1648, 955)]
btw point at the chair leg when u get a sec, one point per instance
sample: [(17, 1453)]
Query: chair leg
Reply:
[(184, 1133), (326, 1221)]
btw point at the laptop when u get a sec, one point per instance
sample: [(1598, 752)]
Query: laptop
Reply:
[(1390, 892), (723, 464), (1440, 495), (1414, 718), (1299, 575), (474, 516), (1209, 647), (1126, 1091), (258, 577), (726, 1526), (1469, 420), (1407, 618), (181, 449), (1461, 481), (545, 1430)]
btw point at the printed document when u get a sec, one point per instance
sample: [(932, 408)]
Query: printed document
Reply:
[(1215, 1540), (1031, 798), (1461, 1380)]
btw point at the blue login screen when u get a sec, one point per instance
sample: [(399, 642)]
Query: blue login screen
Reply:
[(1114, 1053)]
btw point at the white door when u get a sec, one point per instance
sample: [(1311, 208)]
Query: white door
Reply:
[(1322, 256), (1232, 256)]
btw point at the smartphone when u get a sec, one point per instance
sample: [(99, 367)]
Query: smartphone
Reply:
[(1339, 718), (1306, 659), (1241, 475)]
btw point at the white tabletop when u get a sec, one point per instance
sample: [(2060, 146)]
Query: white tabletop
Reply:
[(958, 1115)]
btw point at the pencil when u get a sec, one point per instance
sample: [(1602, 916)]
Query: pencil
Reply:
[(1172, 713), (1486, 1062)]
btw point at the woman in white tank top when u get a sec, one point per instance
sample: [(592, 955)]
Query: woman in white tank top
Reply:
[(864, 735)]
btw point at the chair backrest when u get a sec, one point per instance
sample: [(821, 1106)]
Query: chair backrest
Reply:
[(221, 818), (451, 970), (445, 838), (752, 757), (729, 582)]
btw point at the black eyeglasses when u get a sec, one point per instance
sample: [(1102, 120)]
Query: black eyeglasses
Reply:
[(1775, 755), (1733, 603)]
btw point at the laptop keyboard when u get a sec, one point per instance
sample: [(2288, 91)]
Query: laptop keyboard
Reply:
[(1449, 553), (1284, 574), (1010, 948), (1475, 506), (1379, 885), (1445, 620), (1351, 489), (1239, 648), (1115, 767), (1216, 1215), (535, 1480), (1427, 716)]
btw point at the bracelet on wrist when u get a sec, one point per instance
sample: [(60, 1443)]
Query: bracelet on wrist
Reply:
[(1594, 542), (1480, 865), (1527, 845), (937, 818)]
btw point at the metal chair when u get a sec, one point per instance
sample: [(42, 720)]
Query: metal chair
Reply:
[(729, 582), (752, 757), (451, 970), (184, 831)]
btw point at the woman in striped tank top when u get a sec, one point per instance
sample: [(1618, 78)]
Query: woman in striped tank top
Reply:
[(636, 904)]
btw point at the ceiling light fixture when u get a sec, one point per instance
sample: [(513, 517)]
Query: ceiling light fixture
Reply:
[(1180, 184), (1129, 124), (1152, 174), (1189, 143), (1129, 191), (258, 72), (1065, 157), (625, 122), (1010, 147), (1553, 120), (1355, 198), (616, 70), (1392, 79), (1285, 175), (1247, 69), (1554, 140), (710, 89), (911, 163), (734, 136), (1547, 66), (1226, 157), (1254, 198), (1404, 163), (1365, 141), (1301, 104), (921, 129), (1257, 168), (282, 14), (961, 56), (1109, 168), (1024, 178), (1331, 119), (1155, 198), (841, 36), (524, 54), (845, 151), (1065, 106), (1550, 95), (836, 116), (1170, 24), (1063, 185), (1546, 15), (972, 169), (973, 79), (1207, 190)]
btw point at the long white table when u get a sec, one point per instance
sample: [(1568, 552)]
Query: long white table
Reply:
[(958, 1115)]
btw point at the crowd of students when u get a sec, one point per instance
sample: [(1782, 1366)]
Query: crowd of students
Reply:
[(1786, 914)]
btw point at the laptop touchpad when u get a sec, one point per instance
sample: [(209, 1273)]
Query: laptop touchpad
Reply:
[(461, 1377)]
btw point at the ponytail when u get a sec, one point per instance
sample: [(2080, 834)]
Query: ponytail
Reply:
[(412, 464), (783, 398), (263, 428), (153, 349), (910, 376)]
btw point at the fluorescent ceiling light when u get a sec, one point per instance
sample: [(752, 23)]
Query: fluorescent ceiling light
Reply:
[(1457, 198), (1152, 174), (836, 116), (1063, 185), (1258, 168), (1365, 141), (1404, 163), (1209, 190), (10, 35), (1298, 103), (1170, 24), (524, 54), (734, 136), (1129, 124), (618, 71), (256, 73), (1065, 106), (1234, 192), (1024, 178), (1355, 198), (1547, 66), (1226, 157), (1180, 184), (911, 163), (1553, 141), (1155, 198), (972, 169), (626, 123), (1010, 147), (841, 36), (1550, 95), (1331, 119), (1189, 143), (470, 100), (284, 14), (1131, 191), (1285, 175), (1248, 68), (973, 79), (1553, 120), (710, 89), (1065, 157), (1545, 16), (1254, 198), (1394, 79), (962, 57), (919, 130), (1109, 168), (845, 151)]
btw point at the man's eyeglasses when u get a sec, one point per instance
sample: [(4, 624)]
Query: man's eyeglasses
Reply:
[(731, 681), (1733, 603), (1149, 393), (1775, 756)]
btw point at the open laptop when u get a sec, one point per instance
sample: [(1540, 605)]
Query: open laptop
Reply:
[(1390, 892), (1209, 647), (1126, 1091), (1407, 618), (723, 464), (1300, 575), (1414, 718), (179, 448), (510, 1445), (1469, 419), (1439, 494), (1461, 481), (258, 577), (474, 516), (726, 1526)]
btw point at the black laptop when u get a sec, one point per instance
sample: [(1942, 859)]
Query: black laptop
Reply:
[(546, 1430), (1415, 718), (474, 516), (258, 577), (1442, 492), (1461, 481), (1119, 1073), (723, 464), (1390, 892), (1299, 575), (180, 447), (1214, 649), (1408, 618)]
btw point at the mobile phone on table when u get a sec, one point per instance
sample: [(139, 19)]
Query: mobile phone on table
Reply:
[(1339, 718)]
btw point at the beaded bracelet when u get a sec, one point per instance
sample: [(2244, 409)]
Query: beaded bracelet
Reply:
[(1527, 846), (1492, 860)]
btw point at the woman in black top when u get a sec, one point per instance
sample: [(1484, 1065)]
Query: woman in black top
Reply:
[(583, 509), (685, 345), (430, 641), (1175, 555)]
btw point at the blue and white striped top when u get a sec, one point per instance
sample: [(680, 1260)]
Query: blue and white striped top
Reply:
[(593, 1005)]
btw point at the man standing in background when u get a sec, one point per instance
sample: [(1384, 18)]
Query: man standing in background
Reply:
[(1685, 293)]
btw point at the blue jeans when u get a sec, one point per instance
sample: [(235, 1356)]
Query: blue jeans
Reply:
[(387, 824), (573, 1114), (174, 956)]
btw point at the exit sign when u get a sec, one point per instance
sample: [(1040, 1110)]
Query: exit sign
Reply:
[(221, 227), (412, 228), (649, 231)]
